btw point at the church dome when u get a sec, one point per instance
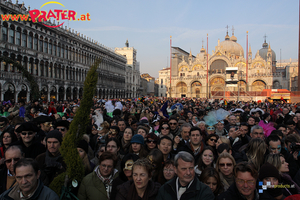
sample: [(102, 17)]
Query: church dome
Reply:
[(263, 52), (231, 46), (233, 38), (202, 50)]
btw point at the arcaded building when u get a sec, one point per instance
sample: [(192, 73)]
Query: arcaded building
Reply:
[(59, 59)]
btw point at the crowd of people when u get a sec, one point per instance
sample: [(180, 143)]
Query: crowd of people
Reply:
[(154, 148)]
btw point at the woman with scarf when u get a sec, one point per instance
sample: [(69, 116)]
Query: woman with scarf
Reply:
[(98, 184), (141, 187)]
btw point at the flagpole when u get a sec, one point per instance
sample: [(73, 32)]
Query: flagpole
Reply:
[(207, 68), (247, 60), (170, 65)]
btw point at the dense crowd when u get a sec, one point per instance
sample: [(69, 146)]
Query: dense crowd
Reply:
[(154, 148)]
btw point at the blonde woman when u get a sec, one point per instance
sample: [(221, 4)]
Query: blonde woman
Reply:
[(255, 152), (223, 139), (224, 166)]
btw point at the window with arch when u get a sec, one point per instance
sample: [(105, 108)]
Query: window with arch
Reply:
[(66, 52), (18, 37), (4, 32), (41, 44), (62, 51), (58, 50), (50, 47), (30, 41), (46, 46), (35, 42), (54, 49), (12, 35), (24, 39)]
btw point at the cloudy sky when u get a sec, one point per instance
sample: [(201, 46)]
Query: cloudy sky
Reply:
[(148, 25)]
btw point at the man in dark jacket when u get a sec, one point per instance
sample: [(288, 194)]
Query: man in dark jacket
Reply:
[(30, 145), (28, 184), (244, 186), (51, 162), (186, 185), (195, 146)]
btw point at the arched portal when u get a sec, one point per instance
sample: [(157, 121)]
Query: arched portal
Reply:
[(53, 93), (44, 93), (258, 85), (9, 93), (181, 89), (61, 93), (217, 84), (196, 88), (74, 93), (68, 93), (80, 93)]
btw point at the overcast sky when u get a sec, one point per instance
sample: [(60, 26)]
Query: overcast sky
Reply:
[(149, 24)]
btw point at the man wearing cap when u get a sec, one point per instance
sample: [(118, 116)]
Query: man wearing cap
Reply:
[(62, 126), (45, 123), (268, 174), (30, 145), (51, 162), (12, 155)]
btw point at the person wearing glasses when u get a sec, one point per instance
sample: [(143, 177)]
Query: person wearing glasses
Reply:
[(11, 156), (151, 141), (165, 130), (31, 146), (98, 184), (174, 128), (51, 162), (62, 126), (211, 140), (224, 166), (244, 186)]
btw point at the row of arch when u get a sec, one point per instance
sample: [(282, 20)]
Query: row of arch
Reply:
[(215, 84), (9, 91), (44, 68)]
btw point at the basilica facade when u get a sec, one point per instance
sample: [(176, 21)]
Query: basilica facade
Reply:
[(224, 73)]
